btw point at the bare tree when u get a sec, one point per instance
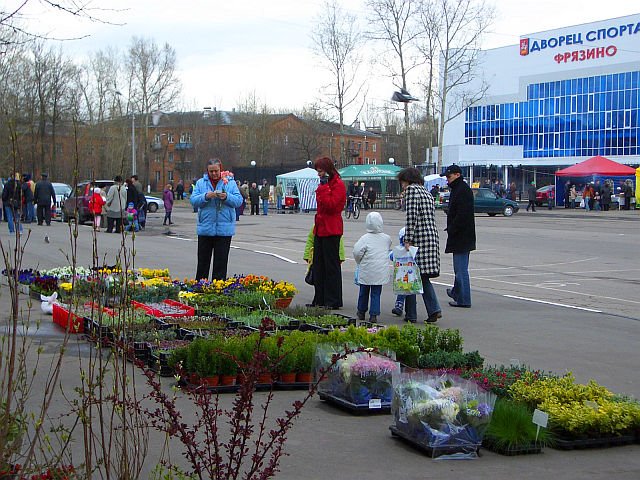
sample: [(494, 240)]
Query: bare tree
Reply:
[(461, 25), (394, 23), (12, 18), (337, 41), (153, 84)]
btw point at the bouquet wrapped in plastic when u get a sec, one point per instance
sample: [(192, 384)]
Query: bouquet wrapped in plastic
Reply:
[(359, 378), (446, 414)]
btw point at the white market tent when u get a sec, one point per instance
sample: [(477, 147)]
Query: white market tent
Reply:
[(302, 182), (434, 179)]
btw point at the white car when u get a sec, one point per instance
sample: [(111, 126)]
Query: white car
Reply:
[(62, 193), (154, 203)]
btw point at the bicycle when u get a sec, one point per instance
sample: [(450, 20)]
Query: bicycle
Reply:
[(352, 208)]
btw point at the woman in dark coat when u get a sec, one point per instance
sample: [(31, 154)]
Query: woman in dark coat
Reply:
[(331, 196), (421, 231)]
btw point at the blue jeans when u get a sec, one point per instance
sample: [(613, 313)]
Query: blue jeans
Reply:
[(12, 216), (265, 206), (429, 298), (461, 291), (363, 299), (279, 203)]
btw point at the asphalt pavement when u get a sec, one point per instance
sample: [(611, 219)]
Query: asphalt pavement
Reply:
[(556, 290)]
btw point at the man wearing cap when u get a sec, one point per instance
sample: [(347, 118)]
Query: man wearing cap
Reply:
[(461, 235), (44, 197)]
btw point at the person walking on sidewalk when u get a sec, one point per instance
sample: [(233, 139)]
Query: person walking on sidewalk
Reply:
[(371, 253), (461, 235), (45, 196), (531, 192), (167, 198), (421, 231)]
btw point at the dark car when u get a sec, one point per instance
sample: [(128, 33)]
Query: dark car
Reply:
[(542, 195), (485, 201), (79, 200)]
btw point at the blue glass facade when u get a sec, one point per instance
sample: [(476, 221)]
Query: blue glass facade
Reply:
[(587, 116)]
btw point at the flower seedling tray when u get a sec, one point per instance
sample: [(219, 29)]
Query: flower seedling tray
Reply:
[(372, 408), (511, 451), (67, 320), (291, 385), (431, 451), (561, 443), (166, 308)]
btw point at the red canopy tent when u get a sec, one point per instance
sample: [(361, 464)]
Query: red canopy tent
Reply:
[(596, 166)]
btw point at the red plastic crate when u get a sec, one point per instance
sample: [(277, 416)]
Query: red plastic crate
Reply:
[(62, 317), (187, 310)]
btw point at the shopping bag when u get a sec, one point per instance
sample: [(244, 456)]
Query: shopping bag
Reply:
[(356, 275), (406, 273), (582, 203)]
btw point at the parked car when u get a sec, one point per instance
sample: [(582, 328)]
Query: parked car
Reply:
[(154, 203), (63, 191), (79, 200), (486, 201), (542, 195)]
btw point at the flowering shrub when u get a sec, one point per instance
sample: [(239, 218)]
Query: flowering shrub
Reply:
[(280, 289), (577, 410), (499, 379)]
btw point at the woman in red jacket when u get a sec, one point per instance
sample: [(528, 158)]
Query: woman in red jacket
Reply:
[(331, 196)]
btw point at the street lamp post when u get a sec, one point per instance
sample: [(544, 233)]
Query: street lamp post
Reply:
[(255, 170), (405, 98)]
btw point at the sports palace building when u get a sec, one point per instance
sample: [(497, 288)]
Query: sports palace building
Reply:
[(556, 99)]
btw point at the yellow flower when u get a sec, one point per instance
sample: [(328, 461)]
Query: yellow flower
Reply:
[(66, 286)]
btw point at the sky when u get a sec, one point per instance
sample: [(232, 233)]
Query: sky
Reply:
[(227, 50)]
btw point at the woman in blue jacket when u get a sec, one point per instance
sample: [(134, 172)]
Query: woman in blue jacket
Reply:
[(216, 197)]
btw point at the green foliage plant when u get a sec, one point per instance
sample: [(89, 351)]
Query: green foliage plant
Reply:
[(511, 427)]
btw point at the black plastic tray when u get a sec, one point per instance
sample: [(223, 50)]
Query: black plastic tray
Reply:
[(431, 451), (602, 442), (532, 448), (358, 409)]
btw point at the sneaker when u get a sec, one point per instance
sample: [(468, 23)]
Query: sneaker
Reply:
[(433, 317), (410, 320), (360, 316), (397, 311), (373, 318)]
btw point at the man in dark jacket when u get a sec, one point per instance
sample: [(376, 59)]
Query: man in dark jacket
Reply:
[(531, 193), (12, 202), (254, 199), (44, 197), (461, 231)]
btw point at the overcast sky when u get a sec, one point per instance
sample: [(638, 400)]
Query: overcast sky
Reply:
[(227, 49)]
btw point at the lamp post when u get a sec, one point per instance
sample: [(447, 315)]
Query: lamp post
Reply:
[(405, 98), (255, 171)]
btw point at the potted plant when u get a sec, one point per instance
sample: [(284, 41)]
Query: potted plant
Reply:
[(208, 364), (305, 352), (228, 358), (287, 360), (511, 431)]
